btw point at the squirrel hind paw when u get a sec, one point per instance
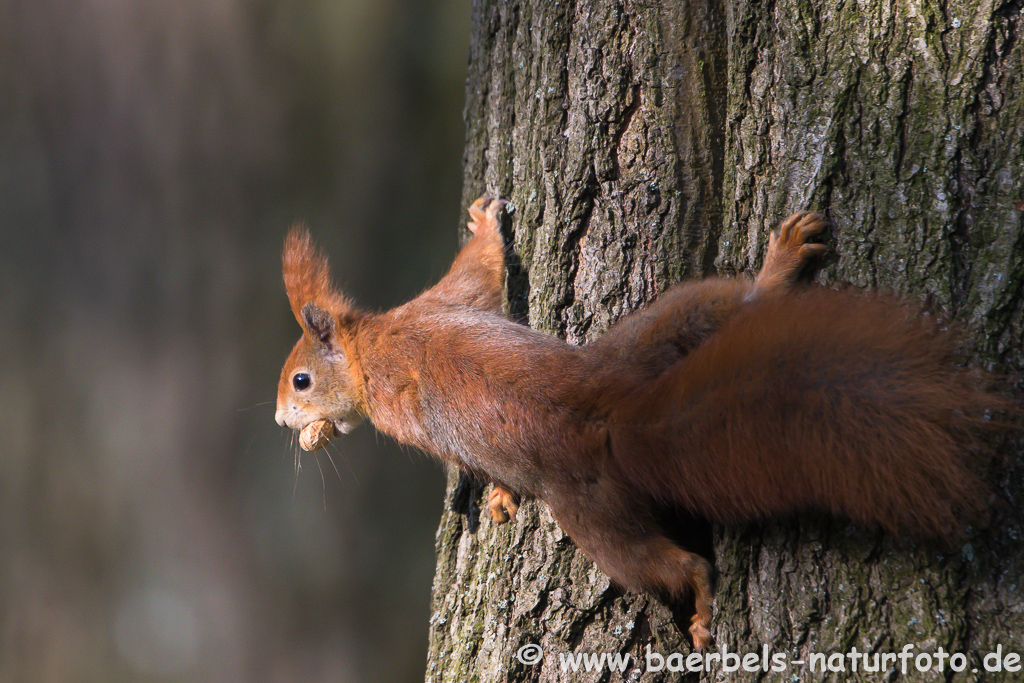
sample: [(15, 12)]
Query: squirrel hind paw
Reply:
[(702, 638), (502, 504), (797, 229), (788, 251)]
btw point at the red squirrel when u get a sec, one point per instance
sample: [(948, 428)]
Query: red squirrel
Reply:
[(733, 399)]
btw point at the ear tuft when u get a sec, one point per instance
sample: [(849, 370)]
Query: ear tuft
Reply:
[(307, 277)]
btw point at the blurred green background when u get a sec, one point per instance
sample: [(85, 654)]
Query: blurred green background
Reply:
[(152, 155)]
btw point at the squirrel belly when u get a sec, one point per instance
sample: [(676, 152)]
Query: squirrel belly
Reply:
[(733, 399)]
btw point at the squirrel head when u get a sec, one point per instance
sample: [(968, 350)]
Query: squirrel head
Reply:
[(318, 379)]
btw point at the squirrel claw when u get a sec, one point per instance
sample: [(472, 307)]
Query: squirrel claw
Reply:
[(811, 250), (502, 504), (484, 212)]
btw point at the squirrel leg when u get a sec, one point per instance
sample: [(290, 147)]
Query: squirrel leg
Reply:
[(502, 503), (477, 276), (678, 573), (633, 552), (788, 251), (651, 339)]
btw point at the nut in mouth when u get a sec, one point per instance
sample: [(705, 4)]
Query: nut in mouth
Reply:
[(316, 434)]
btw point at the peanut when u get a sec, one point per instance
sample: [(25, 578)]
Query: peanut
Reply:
[(316, 434)]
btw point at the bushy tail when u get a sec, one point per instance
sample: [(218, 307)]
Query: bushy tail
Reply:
[(841, 401)]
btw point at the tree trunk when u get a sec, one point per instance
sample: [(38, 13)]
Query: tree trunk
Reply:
[(645, 143)]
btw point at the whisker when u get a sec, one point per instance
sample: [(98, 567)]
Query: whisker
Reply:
[(298, 467), (323, 481), (287, 443), (344, 460), (262, 403), (248, 446)]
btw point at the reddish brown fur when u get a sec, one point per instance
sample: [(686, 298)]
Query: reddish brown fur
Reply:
[(307, 276), (734, 400), (846, 402)]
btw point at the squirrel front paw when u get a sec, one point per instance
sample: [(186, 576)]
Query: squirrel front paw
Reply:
[(484, 212), (502, 503)]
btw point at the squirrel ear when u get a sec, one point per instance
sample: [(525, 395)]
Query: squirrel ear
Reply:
[(318, 323), (308, 279)]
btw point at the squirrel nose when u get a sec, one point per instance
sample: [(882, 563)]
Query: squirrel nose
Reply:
[(279, 417)]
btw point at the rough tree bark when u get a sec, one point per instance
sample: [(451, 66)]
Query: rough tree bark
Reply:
[(647, 142)]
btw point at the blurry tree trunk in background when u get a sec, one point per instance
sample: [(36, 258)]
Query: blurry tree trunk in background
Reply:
[(644, 143)]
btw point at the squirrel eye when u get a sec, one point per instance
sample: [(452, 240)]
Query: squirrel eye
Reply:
[(301, 381)]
